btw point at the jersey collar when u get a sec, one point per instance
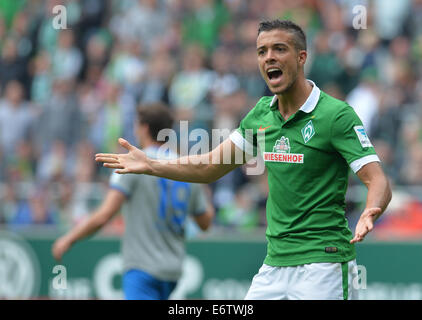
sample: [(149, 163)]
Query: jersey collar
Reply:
[(309, 104)]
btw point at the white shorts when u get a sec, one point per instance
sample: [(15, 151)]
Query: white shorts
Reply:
[(314, 281)]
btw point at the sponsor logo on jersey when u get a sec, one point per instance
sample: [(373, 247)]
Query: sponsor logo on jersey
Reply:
[(283, 157), (362, 136), (281, 153), (308, 131)]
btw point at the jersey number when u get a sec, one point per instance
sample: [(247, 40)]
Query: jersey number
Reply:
[(174, 196)]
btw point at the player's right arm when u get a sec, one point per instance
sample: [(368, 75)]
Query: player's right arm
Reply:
[(109, 207), (204, 168)]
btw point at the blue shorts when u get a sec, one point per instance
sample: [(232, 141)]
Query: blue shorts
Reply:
[(139, 285)]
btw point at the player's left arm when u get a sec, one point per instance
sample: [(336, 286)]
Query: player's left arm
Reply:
[(201, 207), (378, 197), (205, 219)]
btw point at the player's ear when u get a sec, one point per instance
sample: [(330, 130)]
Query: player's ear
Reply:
[(301, 57)]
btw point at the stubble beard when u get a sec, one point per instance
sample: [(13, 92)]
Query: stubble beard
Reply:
[(287, 88)]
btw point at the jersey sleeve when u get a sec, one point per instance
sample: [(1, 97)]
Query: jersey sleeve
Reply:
[(246, 137), (122, 182), (349, 138), (243, 141), (198, 201)]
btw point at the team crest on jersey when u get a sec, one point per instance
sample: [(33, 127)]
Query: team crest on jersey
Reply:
[(308, 131), (281, 153)]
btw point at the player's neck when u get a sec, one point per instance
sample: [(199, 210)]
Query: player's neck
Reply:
[(290, 101)]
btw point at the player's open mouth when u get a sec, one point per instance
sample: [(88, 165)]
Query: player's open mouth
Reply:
[(274, 75)]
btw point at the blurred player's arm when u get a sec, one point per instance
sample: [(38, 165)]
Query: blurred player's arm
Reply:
[(378, 198), (204, 168), (109, 207), (205, 219)]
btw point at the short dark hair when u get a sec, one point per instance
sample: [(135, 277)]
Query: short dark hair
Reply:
[(287, 25), (157, 116)]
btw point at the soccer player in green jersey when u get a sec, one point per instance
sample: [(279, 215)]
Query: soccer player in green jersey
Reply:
[(308, 141)]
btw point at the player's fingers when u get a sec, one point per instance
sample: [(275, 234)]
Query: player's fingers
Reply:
[(58, 257), (356, 238), (369, 226), (107, 160), (113, 165), (374, 211), (56, 254), (122, 171), (366, 228), (125, 144), (360, 235), (107, 155)]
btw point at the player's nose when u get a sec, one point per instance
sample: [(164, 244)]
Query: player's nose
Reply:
[(269, 57)]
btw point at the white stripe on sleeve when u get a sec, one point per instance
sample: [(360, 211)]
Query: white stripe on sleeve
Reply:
[(359, 163), (241, 142)]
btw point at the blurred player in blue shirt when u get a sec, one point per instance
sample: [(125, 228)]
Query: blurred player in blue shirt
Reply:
[(155, 211)]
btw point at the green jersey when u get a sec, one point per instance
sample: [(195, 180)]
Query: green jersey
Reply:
[(307, 158)]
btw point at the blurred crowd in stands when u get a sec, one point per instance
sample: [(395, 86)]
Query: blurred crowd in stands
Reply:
[(66, 94)]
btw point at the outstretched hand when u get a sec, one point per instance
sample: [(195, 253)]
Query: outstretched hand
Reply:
[(135, 161), (365, 223)]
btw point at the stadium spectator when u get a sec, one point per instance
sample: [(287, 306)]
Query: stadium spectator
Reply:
[(114, 118), (96, 51), (55, 163), (12, 66), (190, 88), (127, 65), (42, 79), (92, 16), (17, 118), (225, 82), (66, 58), (142, 20), (60, 117), (161, 69), (36, 210), (326, 67), (202, 22), (242, 212), (365, 99), (46, 36)]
